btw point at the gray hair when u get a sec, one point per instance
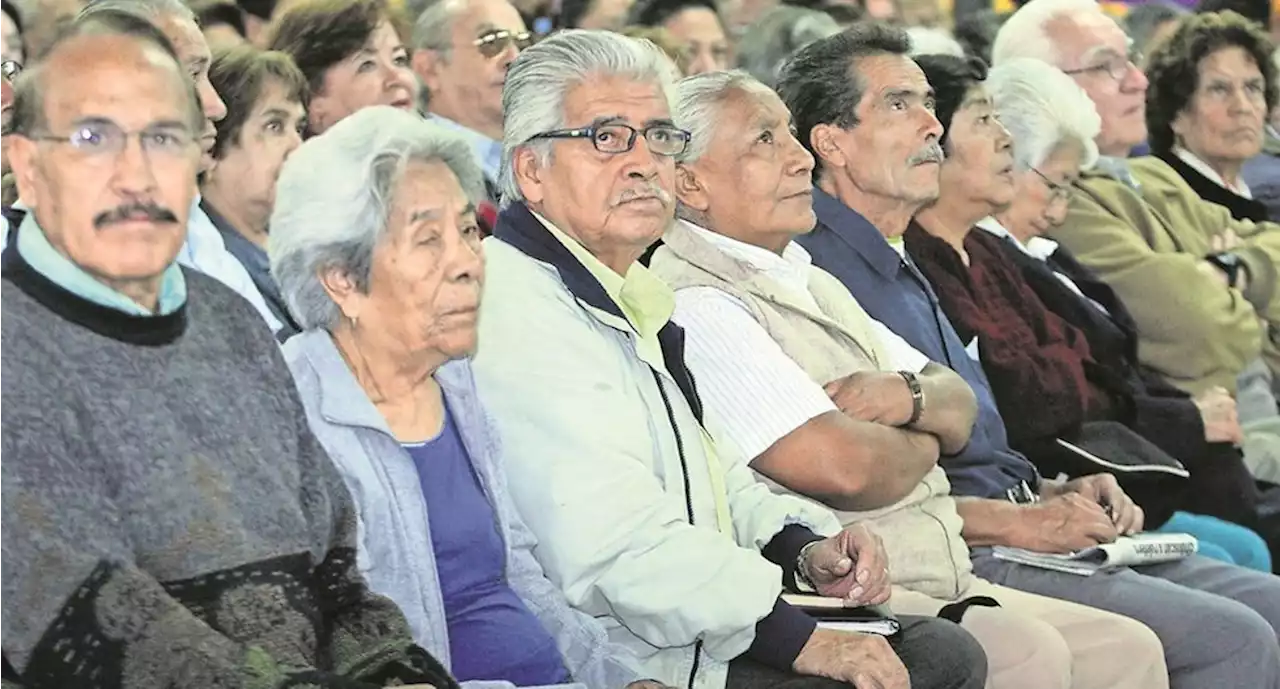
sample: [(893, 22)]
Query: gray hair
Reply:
[(773, 38), (541, 77), (1142, 21), (698, 102), (1043, 109), (334, 197), (1024, 34), (150, 10), (433, 26), (930, 40)]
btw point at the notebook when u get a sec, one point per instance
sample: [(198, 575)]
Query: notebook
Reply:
[(831, 613)]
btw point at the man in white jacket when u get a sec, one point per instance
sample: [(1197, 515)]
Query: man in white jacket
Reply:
[(641, 519)]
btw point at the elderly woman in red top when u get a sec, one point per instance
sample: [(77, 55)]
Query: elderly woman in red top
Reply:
[(1048, 381)]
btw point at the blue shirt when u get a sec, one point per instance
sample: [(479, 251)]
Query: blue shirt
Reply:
[(893, 291), (487, 152), (492, 635)]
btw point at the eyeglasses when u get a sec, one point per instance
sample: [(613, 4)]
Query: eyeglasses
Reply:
[(11, 69), (1057, 191), (1116, 66), (494, 43), (663, 139), (101, 141)]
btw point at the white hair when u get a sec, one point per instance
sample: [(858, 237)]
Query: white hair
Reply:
[(927, 40), (1025, 35), (698, 102), (541, 77), (334, 196), (148, 10), (1043, 109)]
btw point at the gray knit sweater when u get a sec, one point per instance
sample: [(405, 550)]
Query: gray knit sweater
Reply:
[(169, 520)]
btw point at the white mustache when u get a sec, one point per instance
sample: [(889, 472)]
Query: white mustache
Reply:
[(932, 153), (647, 191)]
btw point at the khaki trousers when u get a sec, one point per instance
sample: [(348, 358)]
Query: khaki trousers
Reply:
[(1035, 642)]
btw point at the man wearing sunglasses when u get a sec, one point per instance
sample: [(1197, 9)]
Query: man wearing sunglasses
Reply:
[(461, 52)]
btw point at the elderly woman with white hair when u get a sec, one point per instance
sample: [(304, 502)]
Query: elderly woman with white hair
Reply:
[(1053, 124), (376, 249)]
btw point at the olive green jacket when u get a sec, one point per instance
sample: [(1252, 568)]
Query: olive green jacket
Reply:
[(1146, 244)]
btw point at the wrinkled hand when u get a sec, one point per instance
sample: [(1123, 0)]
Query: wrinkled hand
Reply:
[(648, 684), (873, 396), (1062, 524), (1105, 491), (851, 565), (864, 660), (1221, 419)]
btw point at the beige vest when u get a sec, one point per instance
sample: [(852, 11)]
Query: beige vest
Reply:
[(922, 531)]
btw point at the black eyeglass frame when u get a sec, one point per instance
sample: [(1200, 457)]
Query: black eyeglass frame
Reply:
[(1057, 190), (590, 131)]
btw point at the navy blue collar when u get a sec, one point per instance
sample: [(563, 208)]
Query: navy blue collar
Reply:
[(858, 232), (518, 227)]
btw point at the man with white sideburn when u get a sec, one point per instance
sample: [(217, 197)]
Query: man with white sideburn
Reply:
[(641, 518), (767, 332)]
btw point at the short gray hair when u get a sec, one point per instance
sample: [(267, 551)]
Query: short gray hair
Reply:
[(1043, 109), (539, 79), (150, 10), (773, 38), (698, 102), (334, 197), (433, 27), (1024, 34)]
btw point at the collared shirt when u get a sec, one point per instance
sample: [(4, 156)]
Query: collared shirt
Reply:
[(205, 251), (1118, 169), (647, 302), (1197, 164), (488, 152), (256, 262), (893, 291), (758, 393), (1038, 248), (46, 260)]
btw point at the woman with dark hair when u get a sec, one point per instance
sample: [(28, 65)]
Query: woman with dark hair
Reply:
[(266, 96), (1049, 382), (1213, 83), (353, 55)]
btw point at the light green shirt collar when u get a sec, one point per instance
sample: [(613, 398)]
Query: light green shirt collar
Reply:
[(646, 300), (36, 250)]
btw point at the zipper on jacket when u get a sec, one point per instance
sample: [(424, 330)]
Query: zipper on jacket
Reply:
[(688, 497)]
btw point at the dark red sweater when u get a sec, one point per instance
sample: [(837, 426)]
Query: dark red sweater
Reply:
[(1036, 361)]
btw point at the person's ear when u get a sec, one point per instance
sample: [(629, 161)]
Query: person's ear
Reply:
[(343, 291), (427, 65), (527, 168), (825, 141), (23, 155), (690, 190)]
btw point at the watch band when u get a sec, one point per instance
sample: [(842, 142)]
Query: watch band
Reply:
[(803, 583), (917, 396)]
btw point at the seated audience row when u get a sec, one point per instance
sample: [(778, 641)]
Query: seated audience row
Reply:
[(525, 466)]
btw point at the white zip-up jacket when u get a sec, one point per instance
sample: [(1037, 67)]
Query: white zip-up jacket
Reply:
[(597, 472)]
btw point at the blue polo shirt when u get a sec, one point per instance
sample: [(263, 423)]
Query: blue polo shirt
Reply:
[(895, 292)]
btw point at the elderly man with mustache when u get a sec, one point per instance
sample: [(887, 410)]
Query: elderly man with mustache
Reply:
[(863, 210), (642, 519), (767, 332)]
